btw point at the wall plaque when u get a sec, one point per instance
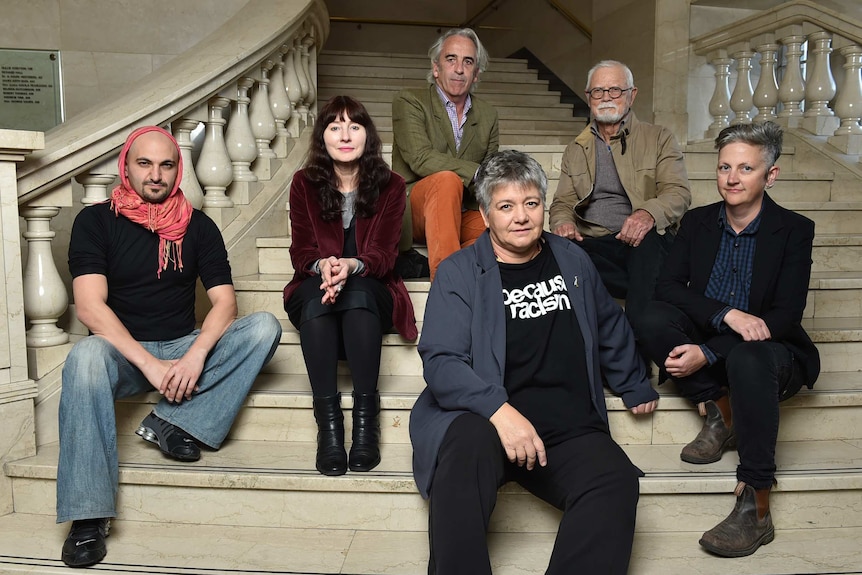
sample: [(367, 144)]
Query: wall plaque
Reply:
[(30, 94)]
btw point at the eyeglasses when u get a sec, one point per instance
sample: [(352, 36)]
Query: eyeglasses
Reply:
[(614, 92)]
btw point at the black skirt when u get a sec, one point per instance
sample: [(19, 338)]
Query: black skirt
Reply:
[(360, 292)]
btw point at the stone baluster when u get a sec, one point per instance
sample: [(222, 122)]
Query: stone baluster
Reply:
[(312, 72), (791, 92), (311, 97), (240, 140), (280, 105), (262, 124), (302, 106), (766, 93), (820, 86), (294, 91), (214, 167), (741, 99), (719, 104), (182, 130), (45, 297), (848, 104), (97, 182)]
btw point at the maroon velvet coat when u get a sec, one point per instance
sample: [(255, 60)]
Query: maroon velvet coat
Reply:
[(376, 242)]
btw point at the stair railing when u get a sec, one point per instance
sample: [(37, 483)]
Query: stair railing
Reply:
[(795, 92), (261, 66)]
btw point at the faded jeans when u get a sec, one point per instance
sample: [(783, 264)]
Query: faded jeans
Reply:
[(95, 375)]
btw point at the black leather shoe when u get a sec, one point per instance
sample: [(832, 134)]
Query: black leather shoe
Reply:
[(365, 450), (85, 544), (173, 441), (331, 458)]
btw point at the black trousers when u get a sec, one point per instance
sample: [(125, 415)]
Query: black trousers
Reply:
[(630, 273), (758, 375), (589, 478)]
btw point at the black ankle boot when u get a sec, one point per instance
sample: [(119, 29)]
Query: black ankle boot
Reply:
[(331, 458), (365, 451)]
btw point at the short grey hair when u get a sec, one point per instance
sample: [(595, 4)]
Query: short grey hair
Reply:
[(630, 79), (508, 167), (437, 47), (767, 136)]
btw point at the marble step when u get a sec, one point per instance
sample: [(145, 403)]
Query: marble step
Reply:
[(511, 137), (274, 484), (390, 73), (485, 86), (837, 254), (514, 123), (832, 294), (225, 550), (703, 157), (830, 217), (790, 187), (507, 111), (383, 93), (406, 60), (279, 407)]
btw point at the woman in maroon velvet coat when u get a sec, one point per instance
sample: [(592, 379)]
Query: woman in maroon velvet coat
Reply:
[(346, 207)]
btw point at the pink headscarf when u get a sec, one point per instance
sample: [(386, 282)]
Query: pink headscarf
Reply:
[(169, 219)]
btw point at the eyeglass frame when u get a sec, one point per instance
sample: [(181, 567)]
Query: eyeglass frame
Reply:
[(608, 90)]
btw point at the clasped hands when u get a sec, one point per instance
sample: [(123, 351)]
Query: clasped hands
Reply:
[(334, 272)]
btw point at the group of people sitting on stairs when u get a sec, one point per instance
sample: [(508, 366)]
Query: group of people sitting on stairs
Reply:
[(521, 333)]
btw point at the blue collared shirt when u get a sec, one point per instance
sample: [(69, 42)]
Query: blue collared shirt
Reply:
[(457, 123), (730, 279)]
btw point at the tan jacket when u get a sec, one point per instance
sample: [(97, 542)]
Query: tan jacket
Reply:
[(652, 171)]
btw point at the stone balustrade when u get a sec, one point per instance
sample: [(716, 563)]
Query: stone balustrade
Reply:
[(253, 98), (792, 50)]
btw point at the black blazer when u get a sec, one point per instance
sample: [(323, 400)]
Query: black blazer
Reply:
[(779, 283)]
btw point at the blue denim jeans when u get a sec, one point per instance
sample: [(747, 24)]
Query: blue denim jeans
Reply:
[(96, 374)]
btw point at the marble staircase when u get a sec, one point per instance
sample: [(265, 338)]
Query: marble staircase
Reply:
[(258, 505)]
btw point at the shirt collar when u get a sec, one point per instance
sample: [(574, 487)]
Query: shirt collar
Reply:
[(468, 103), (750, 229)]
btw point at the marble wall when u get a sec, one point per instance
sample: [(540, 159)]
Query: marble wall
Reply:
[(106, 46)]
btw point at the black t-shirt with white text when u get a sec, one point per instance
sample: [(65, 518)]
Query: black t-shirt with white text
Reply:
[(546, 373)]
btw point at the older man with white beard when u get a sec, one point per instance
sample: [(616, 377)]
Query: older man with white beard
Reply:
[(623, 189)]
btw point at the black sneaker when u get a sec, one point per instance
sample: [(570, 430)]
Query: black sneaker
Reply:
[(173, 441), (85, 544)]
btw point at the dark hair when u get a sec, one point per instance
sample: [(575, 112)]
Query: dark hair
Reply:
[(767, 136), (373, 171)]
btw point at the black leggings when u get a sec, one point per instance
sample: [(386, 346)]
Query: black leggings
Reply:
[(358, 334), (588, 477)]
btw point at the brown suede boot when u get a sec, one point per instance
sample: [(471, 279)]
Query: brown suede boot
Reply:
[(715, 437), (747, 527)]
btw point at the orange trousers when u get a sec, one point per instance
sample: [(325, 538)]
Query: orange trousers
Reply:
[(438, 220)]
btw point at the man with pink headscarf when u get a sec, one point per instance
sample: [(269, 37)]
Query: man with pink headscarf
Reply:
[(135, 262)]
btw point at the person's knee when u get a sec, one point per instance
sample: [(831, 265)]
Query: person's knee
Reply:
[(469, 444), (87, 365), (747, 359), (655, 317)]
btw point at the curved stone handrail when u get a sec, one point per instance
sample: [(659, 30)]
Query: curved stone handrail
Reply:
[(181, 85), (767, 21)]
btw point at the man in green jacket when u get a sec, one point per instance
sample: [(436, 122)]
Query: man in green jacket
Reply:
[(623, 189), (441, 135)]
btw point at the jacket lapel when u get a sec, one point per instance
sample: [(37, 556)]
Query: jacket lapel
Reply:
[(767, 255)]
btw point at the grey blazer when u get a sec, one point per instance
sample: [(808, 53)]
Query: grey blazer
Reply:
[(463, 344)]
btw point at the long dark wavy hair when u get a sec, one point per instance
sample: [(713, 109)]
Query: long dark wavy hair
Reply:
[(373, 171)]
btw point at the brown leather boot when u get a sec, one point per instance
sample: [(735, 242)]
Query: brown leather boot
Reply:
[(747, 527), (715, 437)]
